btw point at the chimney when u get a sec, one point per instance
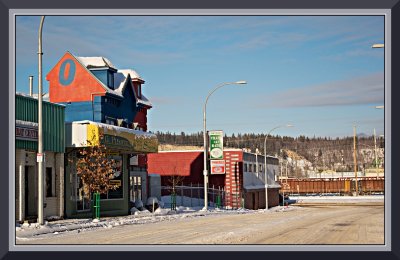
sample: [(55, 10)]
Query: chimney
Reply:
[(30, 85)]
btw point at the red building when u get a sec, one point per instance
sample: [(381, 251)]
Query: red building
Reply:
[(243, 180)]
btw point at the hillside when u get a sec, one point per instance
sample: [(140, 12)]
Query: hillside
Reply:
[(301, 153)]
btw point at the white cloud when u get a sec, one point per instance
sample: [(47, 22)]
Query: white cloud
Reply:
[(363, 90)]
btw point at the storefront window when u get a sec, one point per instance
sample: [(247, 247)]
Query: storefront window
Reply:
[(136, 188), (82, 199), (118, 180)]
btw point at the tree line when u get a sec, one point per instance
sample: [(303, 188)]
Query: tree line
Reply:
[(323, 152)]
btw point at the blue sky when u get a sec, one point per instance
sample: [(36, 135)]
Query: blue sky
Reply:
[(318, 73)]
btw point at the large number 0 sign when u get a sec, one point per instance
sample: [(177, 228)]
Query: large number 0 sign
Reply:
[(67, 72)]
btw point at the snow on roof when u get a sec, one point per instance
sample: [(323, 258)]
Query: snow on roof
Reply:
[(117, 128), (95, 62), (26, 123), (144, 101), (120, 77), (119, 82), (133, 73)]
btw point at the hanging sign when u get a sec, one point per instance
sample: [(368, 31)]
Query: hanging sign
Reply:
[(40, 157), (217, 166), (216, 145)]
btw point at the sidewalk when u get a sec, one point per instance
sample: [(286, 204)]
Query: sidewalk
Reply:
[(142, 217)]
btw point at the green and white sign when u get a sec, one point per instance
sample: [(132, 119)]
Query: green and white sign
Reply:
[(216, 144)]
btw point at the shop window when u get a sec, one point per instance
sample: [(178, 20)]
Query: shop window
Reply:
[(118, 180), (82, 199), (136, 188), (49, 182)]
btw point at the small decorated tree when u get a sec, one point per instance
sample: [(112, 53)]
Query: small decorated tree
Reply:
[(96, 169)]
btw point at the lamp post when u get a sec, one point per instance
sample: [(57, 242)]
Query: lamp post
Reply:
[(265, 162), (378, 45), (205, 172), (376, 158), (40, 130), (355, 158)]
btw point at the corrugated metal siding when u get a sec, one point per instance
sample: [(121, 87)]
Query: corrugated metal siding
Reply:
[(26, 109)]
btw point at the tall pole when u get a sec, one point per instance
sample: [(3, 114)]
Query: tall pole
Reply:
[(265, 163), (205, 171), (257, 170), (355, 159), (40, 132)]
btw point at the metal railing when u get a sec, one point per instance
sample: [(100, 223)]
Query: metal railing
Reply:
[(193, 196)]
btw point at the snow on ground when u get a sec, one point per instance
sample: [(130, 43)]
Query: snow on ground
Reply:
[(337, 199), (164, 213)]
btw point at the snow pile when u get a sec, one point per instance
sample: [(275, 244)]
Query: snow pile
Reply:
[(338, 199)]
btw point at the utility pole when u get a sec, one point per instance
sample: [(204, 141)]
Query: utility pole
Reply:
[(376, 155), (40, 133), (355, 160)]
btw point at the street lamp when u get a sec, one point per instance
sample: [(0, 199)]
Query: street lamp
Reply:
[(205, 172), (265, 162), (40, 131), (380, 107), (378, 45)]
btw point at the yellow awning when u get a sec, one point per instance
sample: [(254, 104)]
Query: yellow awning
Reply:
[(87, 133)]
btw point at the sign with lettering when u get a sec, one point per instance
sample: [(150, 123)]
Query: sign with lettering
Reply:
[(40, 157), (217, 166), (115, 183), (26, 131), (117, 142), (216, 144)]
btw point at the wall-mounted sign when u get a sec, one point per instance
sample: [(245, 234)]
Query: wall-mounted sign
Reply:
[(40, 157), (67, 72), (216, 144), (26, 130), (115, 183), (217, 166)]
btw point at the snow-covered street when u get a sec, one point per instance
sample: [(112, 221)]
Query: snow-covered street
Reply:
[(279, 225)]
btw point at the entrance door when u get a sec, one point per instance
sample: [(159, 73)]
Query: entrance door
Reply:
[(30, 194)]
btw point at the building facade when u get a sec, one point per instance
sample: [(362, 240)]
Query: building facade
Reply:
[(26, 169), (100, 99), (242, 180)]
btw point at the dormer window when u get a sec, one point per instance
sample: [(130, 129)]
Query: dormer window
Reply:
[(110, 79), (106, 76)]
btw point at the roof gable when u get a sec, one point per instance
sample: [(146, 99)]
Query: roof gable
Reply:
[(71, 81)]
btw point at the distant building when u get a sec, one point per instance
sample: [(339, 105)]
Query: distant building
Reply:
[(243, 180), (101, 99)]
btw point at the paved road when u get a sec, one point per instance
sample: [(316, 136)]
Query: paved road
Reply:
[(317, 224)]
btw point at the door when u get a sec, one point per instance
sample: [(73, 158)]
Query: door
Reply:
[(30, 192)]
